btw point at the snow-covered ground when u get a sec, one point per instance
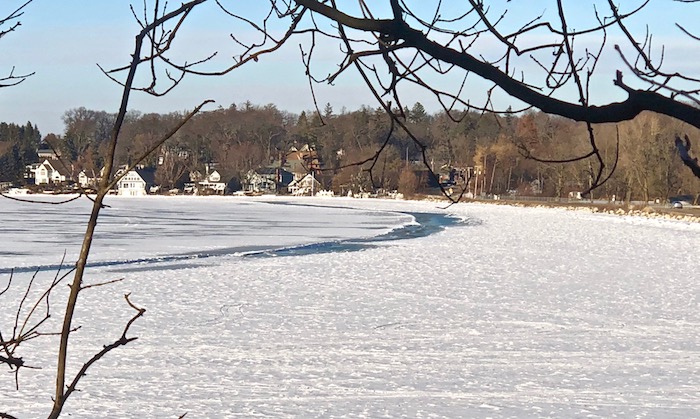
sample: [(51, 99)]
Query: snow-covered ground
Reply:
[(515, 312)]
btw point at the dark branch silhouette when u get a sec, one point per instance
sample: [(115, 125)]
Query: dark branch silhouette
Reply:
[(684, 152)]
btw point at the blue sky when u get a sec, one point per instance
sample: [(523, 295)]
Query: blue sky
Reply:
[(62, 41)]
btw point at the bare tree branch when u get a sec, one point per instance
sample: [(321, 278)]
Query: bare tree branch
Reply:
[(122, 341), (684, 152), (106, 182)]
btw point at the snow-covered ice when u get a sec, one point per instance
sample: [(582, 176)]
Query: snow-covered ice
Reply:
[(515, 312)]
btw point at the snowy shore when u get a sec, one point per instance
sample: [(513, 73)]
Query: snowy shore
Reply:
[(517, 312)]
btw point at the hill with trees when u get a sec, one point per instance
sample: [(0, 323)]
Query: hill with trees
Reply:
[(496, 150)]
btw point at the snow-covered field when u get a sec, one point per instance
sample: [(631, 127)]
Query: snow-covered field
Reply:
[(515, 312)]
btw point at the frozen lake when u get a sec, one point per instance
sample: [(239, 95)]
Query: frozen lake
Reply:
[(513, 312), (176, 229)]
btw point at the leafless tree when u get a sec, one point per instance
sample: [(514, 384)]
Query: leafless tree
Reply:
[(9, 24), (30, 315), (397, 43), (159, 27)]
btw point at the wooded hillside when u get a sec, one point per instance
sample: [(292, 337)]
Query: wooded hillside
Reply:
[(501, 150)]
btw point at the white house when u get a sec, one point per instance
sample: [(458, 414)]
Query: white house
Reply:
[(137, 182), (87, 181), (213, 182), (308, 185), (50, 172)]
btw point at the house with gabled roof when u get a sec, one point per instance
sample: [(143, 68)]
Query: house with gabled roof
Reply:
[(302, 161), (50, 171), (308, 185), (88, 178), (208, 183), (212, 182), (267, 180), (137, 182)]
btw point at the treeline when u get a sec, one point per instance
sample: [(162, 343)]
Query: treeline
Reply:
[(246, 136), (18, 147)]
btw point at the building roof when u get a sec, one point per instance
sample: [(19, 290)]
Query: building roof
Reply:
[(58, 166), (306, 180), (148, 174), (303, 160), (266, 170), (47, 152)]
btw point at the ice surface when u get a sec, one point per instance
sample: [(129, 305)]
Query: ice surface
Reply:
[(515, 313), (182, 228)]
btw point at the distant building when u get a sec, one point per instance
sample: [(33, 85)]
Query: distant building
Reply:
[(87, 179), (267, 180), (212, 182), (288, 171), (137, 182), (308, 185), (46, 152), (302, 161), (30, 173), (207, 183), (49, 172)]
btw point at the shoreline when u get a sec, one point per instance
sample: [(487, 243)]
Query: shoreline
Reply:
[(688, 214), (691, 214)]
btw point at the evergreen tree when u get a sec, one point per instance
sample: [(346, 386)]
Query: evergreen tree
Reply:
[(328, 111), (20, 145), (418, 114)]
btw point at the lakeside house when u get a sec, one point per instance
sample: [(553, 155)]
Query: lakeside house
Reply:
[(89, 179), (308, 185), (212, 182), (50, 171), (84, 180), (296, 171), (137, 182), (302, 161), (207, 184), (267, 180)]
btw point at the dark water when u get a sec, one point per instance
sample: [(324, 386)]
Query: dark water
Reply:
[(426, 224)]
